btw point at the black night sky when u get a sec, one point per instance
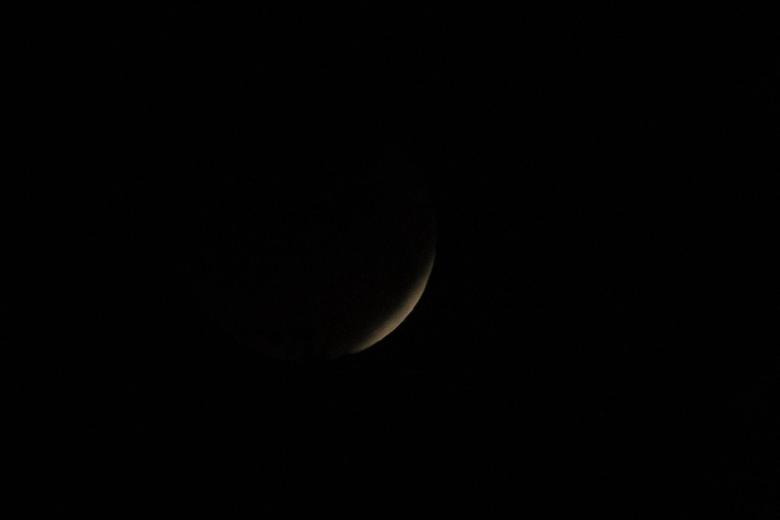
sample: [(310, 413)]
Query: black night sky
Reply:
[(599, 333)]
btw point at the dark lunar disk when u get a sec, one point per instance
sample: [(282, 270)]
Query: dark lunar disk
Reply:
[(319, 266)]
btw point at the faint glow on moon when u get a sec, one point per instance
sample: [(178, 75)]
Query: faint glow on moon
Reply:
[(405, 307)]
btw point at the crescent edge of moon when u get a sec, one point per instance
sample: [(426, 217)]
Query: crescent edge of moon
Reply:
[(402, 311)]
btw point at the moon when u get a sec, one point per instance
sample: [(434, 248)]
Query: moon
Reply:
[(401, 312), (317, 269)]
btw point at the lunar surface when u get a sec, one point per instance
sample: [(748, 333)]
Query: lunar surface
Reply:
[(301, 268), (402, 311)]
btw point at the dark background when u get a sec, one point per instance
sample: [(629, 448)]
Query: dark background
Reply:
[(599, 334)]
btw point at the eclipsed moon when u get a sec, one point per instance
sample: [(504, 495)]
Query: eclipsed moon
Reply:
[(315, 270), (401, 311)]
